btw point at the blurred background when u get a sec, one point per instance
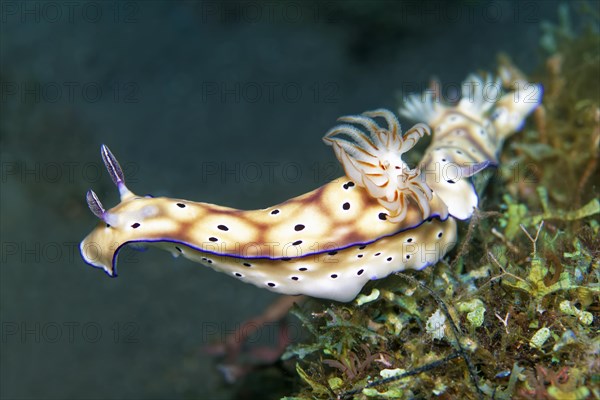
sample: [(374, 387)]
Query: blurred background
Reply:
[(221, 102)]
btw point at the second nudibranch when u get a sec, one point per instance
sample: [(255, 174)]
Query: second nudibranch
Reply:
[(384, 216)]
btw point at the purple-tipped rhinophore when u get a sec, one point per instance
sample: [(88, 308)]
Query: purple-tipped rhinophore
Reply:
[(94, 204), (112, 165)]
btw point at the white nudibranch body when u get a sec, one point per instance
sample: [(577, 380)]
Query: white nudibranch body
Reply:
[(467, 137), (383, 217)]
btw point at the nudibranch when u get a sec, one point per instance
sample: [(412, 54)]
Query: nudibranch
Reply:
[(384, 216)]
